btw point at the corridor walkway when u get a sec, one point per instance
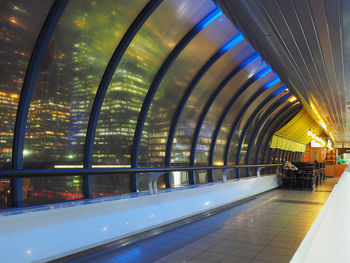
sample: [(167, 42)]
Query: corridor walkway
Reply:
[(266, 228)]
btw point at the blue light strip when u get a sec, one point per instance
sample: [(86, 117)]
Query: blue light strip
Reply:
[(235, 41), (272, 83), (279, 91), (262, 74), (209, 19)]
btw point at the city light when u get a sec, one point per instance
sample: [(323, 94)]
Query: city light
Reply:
[(26, 152)]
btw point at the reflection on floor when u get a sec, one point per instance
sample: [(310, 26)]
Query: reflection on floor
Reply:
[(266, 228)]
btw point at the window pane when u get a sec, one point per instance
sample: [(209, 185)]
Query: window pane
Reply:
[(238, 131), (21, 22), (252, 126), (219, 31), (233, 114), (246, 116), (172, 88), (52, 189), (133, 77), (78, 53), (220, 103), (264, 136), (105, 185), (82, 44)]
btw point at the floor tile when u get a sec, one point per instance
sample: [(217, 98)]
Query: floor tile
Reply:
[(235, 259), (210, 256)]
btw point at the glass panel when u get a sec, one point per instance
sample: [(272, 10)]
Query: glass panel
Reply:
[(130, 83), (219, 105), (238, 133), (172, 87), (220, 31), (262, 136), (284, 116), (239, 129), (179, 179), (201, 176), (232, 174), (105, 185), (21, 22), (5, 193), (217, 175), (45, 190), (253, 127), (82, 44), (232, 115), (143, 181)]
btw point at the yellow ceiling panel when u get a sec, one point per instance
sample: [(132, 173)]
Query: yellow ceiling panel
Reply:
[(297, 128)]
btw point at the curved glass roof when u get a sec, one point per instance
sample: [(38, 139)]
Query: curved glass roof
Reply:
[(88, 84)]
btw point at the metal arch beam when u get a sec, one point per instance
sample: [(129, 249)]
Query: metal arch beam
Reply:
[(277, 150), (284, 156), (28, 86), (265, 129), (223, 115), (103, 86), (250, 119), (267, 126), (291, 156), (245, 128), (287, 156), (241, 114), (269, 156), (210, 102), (280, 155), (262, 119), (269, 111), (155, 84), (188, 92), (271, 134), (286, 120), (288, 109)]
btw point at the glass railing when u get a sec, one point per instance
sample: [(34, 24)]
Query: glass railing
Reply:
[(37, 187)]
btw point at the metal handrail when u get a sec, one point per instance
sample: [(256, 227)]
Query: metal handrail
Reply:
[(10, 174)]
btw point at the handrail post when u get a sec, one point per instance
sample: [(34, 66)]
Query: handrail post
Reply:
[(225, 173), (153, 182), (258, 171)]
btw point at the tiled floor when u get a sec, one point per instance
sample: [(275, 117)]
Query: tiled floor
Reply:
[(267, 228)]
